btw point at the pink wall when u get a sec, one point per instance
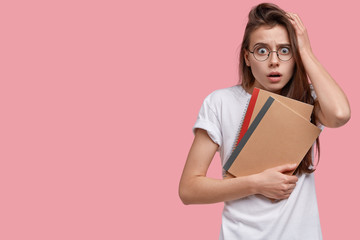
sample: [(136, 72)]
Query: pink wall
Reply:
[(98, 99)]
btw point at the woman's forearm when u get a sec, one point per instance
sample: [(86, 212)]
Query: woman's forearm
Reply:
[(196, 188), (203, 190), (333, 107), (272, 183)]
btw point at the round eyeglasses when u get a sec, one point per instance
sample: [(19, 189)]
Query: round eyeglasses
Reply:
[(262, 53)]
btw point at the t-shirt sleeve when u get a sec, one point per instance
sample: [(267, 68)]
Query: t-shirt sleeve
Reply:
[(208, 120)]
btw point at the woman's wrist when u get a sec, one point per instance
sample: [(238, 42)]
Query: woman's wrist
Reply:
[(253, 183)]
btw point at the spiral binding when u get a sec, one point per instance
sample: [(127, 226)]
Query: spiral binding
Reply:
[(241, 125)]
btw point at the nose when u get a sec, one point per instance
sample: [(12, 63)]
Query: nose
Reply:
[(273, 59)]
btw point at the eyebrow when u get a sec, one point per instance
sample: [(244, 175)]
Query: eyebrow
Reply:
[(277, 45)]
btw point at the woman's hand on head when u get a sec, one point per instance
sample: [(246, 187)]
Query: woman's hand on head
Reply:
[(301, 32), (275, 184)]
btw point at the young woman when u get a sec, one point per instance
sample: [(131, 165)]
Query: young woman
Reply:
[(275, 56)]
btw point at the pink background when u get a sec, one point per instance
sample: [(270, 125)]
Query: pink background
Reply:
[(97, 103)]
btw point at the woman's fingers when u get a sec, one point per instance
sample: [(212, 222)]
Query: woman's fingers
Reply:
[(275, 184), (295, 18), (285, 168), (291, 187), (301, 32), (292, 179)]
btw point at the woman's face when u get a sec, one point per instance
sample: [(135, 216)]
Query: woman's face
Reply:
[(272, 74)]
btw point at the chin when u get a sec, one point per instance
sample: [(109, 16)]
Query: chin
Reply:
[(275, 88), (271, 86)]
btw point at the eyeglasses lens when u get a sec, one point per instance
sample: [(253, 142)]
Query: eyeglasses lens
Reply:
[(263, 53)]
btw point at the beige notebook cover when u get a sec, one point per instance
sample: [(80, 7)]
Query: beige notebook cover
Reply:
[(277, 136), (301, 108)]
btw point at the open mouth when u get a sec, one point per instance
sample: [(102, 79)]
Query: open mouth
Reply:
[(274, 75)]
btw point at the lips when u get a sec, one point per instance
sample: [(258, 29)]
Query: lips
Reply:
[(274, 76)]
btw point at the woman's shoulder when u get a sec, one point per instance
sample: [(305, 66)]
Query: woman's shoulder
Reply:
[(232, 93)]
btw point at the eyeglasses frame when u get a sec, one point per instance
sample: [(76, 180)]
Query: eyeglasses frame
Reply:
[(277, 54)]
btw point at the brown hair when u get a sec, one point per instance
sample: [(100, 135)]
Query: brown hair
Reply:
[(268, 14)]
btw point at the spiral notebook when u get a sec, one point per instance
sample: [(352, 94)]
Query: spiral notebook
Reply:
[(278, 135), (258, 99)]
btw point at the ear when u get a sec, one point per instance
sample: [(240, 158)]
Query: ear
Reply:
[(246, 57)]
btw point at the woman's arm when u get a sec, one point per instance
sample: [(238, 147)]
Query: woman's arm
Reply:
[(332, 108), (196, 188)]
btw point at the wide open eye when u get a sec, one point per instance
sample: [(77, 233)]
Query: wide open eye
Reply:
[(261, 51), (284, 51)]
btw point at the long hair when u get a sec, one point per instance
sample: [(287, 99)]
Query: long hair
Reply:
[(298, 87)]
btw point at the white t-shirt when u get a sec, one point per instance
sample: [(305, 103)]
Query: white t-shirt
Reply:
[(256, 217)]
